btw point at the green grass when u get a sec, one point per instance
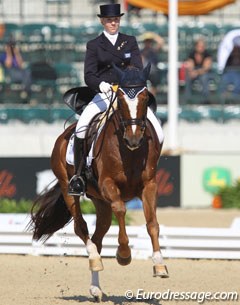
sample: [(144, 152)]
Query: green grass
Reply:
[(25, 206), (230, 195), (13, 206)]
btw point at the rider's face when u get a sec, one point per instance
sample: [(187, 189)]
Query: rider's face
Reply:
[(111, 24)]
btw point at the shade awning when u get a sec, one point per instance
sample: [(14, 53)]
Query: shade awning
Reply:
[(185, 7)]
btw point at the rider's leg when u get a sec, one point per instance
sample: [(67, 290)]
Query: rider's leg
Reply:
[(156, 124), (99, 104), (77, 183)]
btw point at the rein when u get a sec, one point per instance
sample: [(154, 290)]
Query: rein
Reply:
[(106, 116)]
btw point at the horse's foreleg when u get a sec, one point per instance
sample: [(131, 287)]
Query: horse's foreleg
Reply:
[(112, 193), (124, 252), (95, 265), (149, 207), (95, 289)]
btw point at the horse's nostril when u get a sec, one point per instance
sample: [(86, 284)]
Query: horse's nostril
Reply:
[(133, 142)]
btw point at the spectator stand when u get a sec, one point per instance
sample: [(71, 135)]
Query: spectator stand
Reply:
[(58, 8), (63, 45)]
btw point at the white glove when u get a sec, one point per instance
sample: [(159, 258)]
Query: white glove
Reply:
[(105, 87)]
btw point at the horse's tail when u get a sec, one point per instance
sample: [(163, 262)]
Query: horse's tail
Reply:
[(49, 213)]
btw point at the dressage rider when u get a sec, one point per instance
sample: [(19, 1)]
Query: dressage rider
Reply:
[(108, 48)]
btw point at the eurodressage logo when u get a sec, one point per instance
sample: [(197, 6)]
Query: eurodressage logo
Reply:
[(215, 178)]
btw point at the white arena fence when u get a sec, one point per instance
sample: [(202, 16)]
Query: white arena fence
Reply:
[(176, 242)]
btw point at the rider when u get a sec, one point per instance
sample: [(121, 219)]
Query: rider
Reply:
[(109, 47)]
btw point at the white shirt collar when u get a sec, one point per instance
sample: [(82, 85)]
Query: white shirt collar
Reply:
[(111, 38)]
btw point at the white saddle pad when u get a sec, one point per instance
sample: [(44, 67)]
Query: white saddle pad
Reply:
[(70, 150)]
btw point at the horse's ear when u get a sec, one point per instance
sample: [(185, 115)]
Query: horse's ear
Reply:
[(120, 73), (146, 70)]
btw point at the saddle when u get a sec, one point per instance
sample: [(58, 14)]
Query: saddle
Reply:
[(77, 98), (93, 131)]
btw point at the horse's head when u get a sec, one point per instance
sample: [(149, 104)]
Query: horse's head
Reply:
[(133, 98)]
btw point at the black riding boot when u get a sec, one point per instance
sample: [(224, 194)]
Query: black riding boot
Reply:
[(77, 183)]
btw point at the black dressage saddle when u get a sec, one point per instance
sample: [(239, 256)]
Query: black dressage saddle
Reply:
[(77, 98)]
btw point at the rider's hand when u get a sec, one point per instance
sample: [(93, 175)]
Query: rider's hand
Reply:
[(105, 87)]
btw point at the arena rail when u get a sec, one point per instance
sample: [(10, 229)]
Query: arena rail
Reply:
[(176, 242)]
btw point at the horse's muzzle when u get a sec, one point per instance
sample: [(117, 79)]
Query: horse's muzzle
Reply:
[(133, 142)]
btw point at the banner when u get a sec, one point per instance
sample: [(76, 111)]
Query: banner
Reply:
[(24, 178), (185, 7), (203, 174), (168, 181)]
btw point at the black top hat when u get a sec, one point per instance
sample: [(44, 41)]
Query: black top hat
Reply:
[(110, 10)]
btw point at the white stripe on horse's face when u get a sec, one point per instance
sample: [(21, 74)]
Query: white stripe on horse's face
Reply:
[(132, 106)]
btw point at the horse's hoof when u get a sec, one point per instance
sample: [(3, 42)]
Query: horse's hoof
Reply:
[(96, 292), (160, 270), (123, 261), (96, 264)]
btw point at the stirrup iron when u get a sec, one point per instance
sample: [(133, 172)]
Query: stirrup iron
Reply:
[(76, 186)]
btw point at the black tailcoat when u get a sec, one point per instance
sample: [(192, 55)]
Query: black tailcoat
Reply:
[(101, 54)]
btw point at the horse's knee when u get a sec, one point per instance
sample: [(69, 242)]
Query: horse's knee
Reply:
[(119, 208)]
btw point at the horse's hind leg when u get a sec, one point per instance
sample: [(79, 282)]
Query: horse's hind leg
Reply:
[(149, 207), (103, 222), (81, 230)]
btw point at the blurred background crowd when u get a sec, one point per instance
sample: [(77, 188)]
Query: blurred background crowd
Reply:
[(42, 48)]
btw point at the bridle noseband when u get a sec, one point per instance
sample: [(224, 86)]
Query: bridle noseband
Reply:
[(129, 122)]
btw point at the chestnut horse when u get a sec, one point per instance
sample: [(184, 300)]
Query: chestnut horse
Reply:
[(126, 154)]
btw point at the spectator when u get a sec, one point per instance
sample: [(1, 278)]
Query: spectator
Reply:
[(198, 66), (13, 65), (152, 44), (231, 68)]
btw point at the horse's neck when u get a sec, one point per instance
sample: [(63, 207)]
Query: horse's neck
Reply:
[(115, 118)]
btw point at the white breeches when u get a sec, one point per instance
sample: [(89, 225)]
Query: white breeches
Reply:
[(100, 103)]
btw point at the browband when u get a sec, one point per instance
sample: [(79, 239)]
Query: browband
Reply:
[(131, 91)]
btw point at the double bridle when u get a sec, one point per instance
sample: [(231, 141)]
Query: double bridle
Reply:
[(129, 90)]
